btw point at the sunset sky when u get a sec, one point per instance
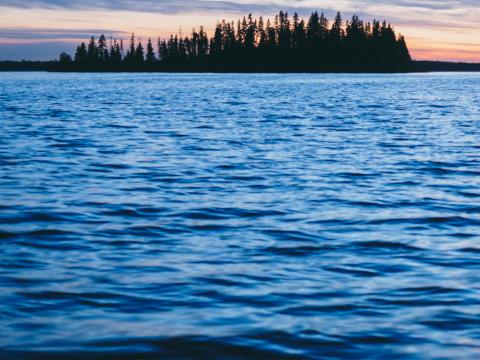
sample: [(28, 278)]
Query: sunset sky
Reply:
[(435, 29)]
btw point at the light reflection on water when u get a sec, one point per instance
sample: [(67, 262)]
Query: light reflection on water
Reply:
[(240, 215)]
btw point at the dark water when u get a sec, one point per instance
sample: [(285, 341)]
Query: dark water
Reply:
[(240, 216)]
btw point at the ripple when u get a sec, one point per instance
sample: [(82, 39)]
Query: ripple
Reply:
[(239, 216), (387, 246)]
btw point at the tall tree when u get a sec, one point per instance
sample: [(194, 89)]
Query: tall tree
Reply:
[(81, 55), (284, 33), (150, 57), (216, 43), (298, 38), (262, 34), (92, 51), (102, 49), (250, 33), (131, 52), (335, 43), (202, 43), (139, 54)]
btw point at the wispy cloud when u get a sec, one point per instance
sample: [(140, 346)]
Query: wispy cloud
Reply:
[(175, 6), (54, 34), (160, 6), (412, 12)]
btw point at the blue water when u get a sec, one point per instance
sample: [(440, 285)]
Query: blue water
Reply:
[(239, 216)]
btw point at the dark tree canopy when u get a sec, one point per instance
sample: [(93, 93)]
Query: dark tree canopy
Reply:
[(286, 44)]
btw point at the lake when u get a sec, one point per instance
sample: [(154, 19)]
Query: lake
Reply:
[(239, 216)]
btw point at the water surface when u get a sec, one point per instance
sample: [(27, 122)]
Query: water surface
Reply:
[(239, 216)]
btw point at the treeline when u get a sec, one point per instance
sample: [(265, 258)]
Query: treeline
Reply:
[(254, 45), (444, 66), (25, 65)]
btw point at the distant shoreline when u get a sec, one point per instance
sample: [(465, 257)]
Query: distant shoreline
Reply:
[(417, 66)]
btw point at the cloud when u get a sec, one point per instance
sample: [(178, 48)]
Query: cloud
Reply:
[(159, 6), (36, 34), (411, 12), (178, 6), (425, 4)]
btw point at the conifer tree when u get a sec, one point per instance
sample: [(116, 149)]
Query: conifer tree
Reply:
[(262, 34), (65, 59), (194, 42), (250, 32), (92, 51), (403, 52), (313, 30), (81, 54), (284, 33), (272, 36), (162, 51), (131, 53), (139, 54), (150, 57), (335, 42), (102, 49), (115, 56), (202, 43), (230, 42), (216, 42)]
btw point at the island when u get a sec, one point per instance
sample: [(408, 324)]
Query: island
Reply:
[(284, 44)]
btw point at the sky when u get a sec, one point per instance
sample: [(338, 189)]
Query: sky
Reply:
[(434, 29)]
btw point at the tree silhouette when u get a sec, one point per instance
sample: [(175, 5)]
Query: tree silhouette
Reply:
[(150, 57), (65, 59), (131, 53), (81, 55), (92, 52), (139, 54), (103, 55), (284, 44)]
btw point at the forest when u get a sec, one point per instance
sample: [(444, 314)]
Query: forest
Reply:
[(284, 44)]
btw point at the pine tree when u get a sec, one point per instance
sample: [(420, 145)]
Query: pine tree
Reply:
[(216, 42), (102, 49), (64, 59), (336, 33), (92, 51), (335, 43), (139, 54), (202, 43), (81, 54), (262, 34), (230, 38), (402, 50), (323, 27), (313, 30), (115, 56), (284, 33), (131, 53), (162, 51), (150, 57), (250, 32), (194, 44), (272, 36)]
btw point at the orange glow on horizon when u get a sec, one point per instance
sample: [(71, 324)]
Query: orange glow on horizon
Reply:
[(425, 42)]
